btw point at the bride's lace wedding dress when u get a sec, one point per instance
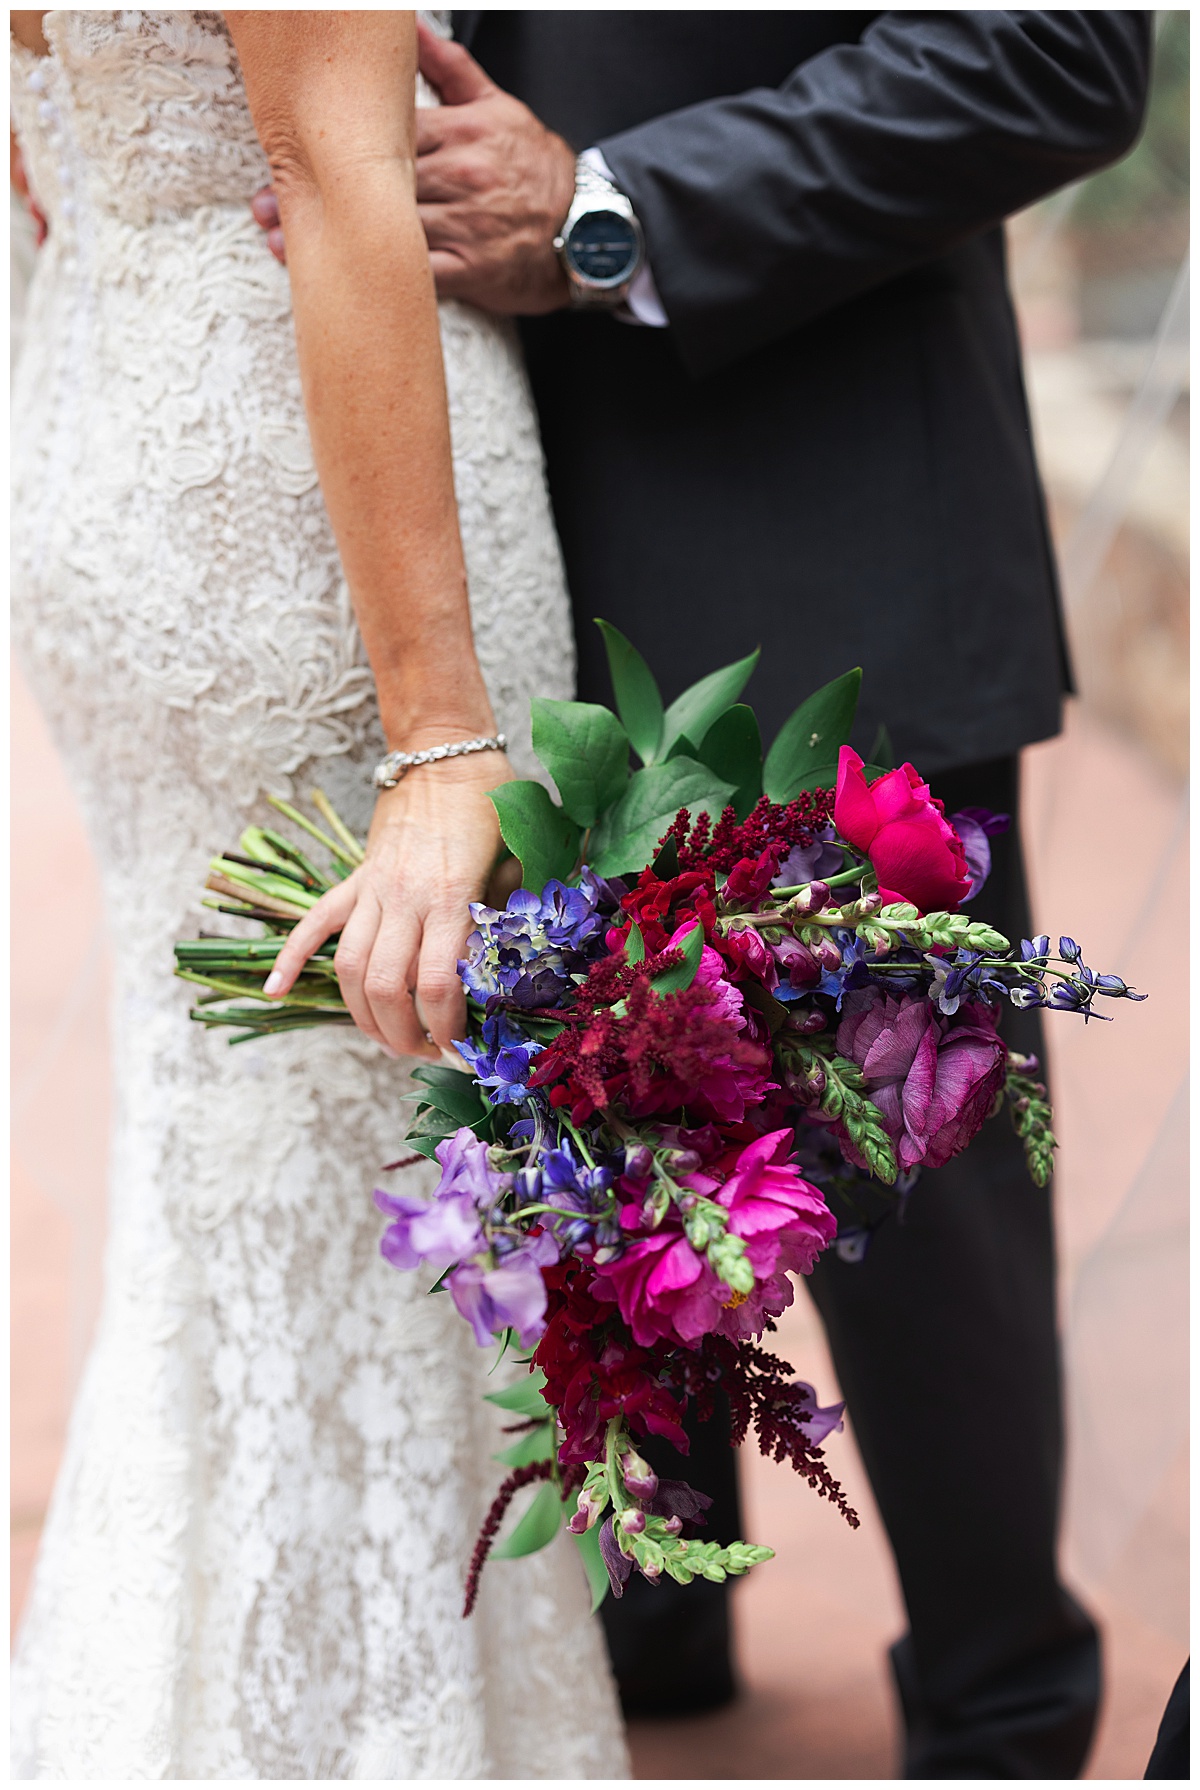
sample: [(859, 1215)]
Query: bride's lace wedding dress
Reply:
[(254, 1560)]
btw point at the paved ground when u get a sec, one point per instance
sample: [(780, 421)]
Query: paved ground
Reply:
[(815, 1623)]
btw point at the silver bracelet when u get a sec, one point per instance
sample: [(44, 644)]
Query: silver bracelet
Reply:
[(391, 769)]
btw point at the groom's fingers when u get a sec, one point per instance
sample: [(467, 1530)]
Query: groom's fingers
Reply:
[(450, 69)]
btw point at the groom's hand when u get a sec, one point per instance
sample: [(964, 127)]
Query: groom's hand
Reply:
[(493, 188)]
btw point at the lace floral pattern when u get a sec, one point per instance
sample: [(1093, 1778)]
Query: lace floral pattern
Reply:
[(254, 1559)]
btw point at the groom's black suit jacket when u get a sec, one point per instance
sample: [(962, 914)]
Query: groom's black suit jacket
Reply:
[(828, 451)]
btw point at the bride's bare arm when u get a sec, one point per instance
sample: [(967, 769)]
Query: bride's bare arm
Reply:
[(332, 95)]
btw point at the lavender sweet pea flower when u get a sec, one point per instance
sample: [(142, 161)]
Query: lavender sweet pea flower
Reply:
[(511, 1295), (466, 1168), (976, 827), (809, 863), (437, 1230), (824, 1419)]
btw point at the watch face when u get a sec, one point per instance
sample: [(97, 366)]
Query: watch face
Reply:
[(603, 248)]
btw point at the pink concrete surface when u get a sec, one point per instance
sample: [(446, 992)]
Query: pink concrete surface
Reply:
[(814, 1624)]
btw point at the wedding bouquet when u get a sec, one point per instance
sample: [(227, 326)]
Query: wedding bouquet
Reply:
[(729, 988)]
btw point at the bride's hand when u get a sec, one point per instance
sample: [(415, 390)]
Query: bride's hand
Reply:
[(402, 914)]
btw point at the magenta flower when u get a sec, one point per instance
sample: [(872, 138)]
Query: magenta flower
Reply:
[(934, 1080), (916, 854), (781, 1218), (663, 1289), (514, 1294)]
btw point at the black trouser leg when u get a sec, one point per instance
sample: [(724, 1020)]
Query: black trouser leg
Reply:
[(946, 1347), (670, 1644)]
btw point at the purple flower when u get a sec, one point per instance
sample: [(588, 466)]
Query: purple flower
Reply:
[(427, 1230), (809, 863), (933, 1080), (823, 1420), (976, 827), (467, 1169), (797, 966), (510, 1295), (641, 1481), (619, 1565), (539, 947), (501, 1062), (852, 972), (675, 1498)]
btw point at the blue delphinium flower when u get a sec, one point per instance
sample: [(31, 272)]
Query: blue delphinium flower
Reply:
[(960, 978), (561, 1180), (851, 973), (502, 1061), (534, 951)]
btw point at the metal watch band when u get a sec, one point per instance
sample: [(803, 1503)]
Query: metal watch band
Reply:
[(389, 771), (593, 192)]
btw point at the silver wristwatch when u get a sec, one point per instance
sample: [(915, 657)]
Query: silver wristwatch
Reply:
[(600, 244)]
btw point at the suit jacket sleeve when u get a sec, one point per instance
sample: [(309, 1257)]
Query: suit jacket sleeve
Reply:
[(766, 208)]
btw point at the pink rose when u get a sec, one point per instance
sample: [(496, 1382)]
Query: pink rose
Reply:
[(916, 853), (934, 1080)]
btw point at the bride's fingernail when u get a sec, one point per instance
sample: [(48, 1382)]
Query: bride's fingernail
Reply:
[(273, 983)]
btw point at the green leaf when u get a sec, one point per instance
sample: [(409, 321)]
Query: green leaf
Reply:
[(694, 712), (626, 838), (635, 944), (537, 831), (537, 1528), (683, 974), (457, 1096), (525, 1398), (638, 701), (883, 753), (811, 738), (666, 865), (593, 1564), (586, 751), (422, 1144), (822, 776), (732, 748), (536, 1445)]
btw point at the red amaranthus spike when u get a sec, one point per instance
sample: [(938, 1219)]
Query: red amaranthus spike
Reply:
[(492, 1521), (758, 1387), (704, 846)]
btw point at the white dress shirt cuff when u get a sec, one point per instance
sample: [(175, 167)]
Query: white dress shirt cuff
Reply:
[(642, 304)]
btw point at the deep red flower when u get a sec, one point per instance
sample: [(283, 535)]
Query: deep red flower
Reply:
[(595, 1372)]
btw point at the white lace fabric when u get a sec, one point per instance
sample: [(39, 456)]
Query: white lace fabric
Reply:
[(254, 1559)]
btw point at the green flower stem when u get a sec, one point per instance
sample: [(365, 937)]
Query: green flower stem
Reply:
[(333, 819), (340, 852), (854, 874), (240, 990), (580, 1145)]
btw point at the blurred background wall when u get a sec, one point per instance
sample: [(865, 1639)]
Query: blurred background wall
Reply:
[(1100, 280)]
